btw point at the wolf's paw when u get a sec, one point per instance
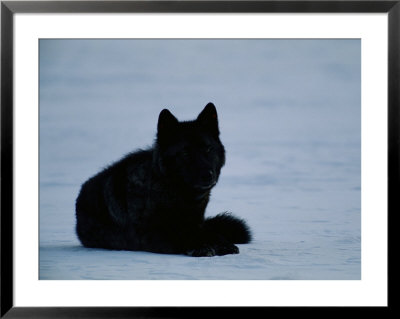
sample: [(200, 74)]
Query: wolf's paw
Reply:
[(205, 251), (225, 249)]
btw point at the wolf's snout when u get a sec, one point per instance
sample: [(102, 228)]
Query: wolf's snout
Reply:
[(208, 176)]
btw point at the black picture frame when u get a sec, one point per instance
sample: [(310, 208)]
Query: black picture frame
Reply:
[(9, 8)]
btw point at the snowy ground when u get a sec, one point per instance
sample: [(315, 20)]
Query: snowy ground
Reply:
[(289, 114)]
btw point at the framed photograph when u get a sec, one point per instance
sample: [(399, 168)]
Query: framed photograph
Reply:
[(173, 158)]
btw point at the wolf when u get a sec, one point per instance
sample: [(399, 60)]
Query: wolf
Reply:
[(155, 199)]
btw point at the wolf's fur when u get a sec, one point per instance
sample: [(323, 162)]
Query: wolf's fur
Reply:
[(155, 199)]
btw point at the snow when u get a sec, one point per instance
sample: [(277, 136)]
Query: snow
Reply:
[(290, 119)]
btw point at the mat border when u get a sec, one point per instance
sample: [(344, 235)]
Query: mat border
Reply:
[(9, 8)]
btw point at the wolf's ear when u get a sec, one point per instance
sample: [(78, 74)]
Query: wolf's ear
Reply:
[(166, 122), (209, 118)]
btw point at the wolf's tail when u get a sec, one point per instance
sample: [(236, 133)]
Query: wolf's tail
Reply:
[(233, 229)]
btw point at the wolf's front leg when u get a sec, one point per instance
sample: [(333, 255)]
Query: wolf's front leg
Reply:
[(213, 250), (205, 251), (212, 245), (225, 249)]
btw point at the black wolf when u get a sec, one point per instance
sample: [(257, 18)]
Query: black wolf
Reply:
[(155, 199)]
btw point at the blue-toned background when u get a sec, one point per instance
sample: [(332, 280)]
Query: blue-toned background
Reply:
[(290, 119)]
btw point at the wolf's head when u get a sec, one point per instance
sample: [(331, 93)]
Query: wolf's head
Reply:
[(190, 153)]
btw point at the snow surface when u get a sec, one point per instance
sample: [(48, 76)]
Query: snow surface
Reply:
[(290, 119)]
